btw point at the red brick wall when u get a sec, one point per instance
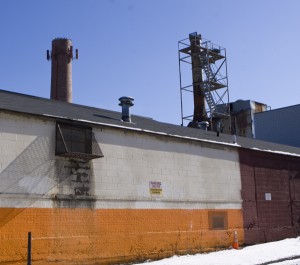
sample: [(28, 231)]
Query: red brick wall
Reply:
[(261, 173)]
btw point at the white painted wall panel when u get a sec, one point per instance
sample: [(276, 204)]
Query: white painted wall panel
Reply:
[(186, 171), (192, 174)]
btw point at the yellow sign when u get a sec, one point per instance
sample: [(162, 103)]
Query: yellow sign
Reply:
[(155, 187)]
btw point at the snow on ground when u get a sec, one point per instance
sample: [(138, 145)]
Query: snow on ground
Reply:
[(288, 262), (278, 251)]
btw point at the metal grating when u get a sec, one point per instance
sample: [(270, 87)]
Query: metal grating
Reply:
[(77, 142)]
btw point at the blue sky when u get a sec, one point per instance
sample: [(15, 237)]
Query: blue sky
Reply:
[(129, 47)]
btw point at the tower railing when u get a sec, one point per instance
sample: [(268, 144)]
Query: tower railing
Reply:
[(210, 78)]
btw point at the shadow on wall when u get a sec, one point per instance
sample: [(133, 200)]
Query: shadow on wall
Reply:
[(36, 172)]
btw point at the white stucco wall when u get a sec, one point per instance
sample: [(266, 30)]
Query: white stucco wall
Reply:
[(26, 159), (192, 174)]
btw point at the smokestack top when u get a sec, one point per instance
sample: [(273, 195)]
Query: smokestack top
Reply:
[(62, 40), (62, 46), (59, 38), (194, 34), (126, 103)]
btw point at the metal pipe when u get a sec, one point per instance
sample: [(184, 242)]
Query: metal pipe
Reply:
[(199, 99), (29, 249), (180, 82)]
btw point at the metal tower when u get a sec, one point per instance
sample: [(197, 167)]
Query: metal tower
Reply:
[(208, 82)]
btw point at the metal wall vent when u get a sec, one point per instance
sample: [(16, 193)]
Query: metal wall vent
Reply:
[(77, 142)]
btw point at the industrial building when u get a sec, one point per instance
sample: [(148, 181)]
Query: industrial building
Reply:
[(242, 113), (279, 125), (95, 186)]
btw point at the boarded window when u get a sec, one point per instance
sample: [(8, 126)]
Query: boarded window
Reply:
[(76, 142), (218, 220)]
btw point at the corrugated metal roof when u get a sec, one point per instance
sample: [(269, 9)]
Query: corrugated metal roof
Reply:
[(16, 102)]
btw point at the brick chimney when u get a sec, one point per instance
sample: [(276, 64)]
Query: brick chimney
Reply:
[(61, 69)]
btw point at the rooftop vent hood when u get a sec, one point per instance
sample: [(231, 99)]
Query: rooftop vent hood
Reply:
[(126, 103)]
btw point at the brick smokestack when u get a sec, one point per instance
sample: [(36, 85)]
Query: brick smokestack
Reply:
[(61, 69)]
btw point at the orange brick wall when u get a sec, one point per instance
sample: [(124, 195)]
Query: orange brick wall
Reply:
[(89, 236)]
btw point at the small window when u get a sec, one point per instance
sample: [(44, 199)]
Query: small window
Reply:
[(76, 142), (218, 220)]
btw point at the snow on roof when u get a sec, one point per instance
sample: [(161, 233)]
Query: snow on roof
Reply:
[(276, 152)]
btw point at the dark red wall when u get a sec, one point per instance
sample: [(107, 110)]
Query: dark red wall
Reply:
[(279, 175)]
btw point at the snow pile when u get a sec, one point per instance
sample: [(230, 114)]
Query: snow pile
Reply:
[(257, 254)]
